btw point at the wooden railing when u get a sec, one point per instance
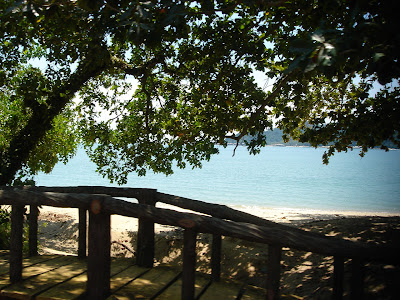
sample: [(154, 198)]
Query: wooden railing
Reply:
[(215, 219)]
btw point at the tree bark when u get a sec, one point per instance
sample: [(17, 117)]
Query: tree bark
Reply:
[(27, 139)]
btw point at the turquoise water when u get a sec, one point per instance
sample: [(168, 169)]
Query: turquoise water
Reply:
[(279, 177)]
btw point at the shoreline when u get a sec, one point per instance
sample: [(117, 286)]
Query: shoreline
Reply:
[(304, 215)]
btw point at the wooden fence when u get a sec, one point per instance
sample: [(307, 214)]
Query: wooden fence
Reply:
[(215, 219)]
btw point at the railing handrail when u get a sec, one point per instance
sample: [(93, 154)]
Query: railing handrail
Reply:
[(268, 232), (212, 209)]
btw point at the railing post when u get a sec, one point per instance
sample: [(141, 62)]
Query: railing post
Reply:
[(145, 238), (357, 279), (98, 271), (82, 233), (189, 264), (33, 230), (216, 257), (338, 277), (17, 224), (273, 271)]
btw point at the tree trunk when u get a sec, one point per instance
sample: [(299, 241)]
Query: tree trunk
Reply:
[(27, 139)]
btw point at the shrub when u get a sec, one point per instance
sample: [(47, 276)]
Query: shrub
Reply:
[(5, 227)]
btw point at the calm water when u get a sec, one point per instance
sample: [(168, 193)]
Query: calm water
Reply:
[(279, 177)]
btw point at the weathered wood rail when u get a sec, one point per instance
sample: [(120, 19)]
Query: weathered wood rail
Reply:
[(217, 220)]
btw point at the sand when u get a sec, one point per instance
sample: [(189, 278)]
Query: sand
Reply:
[(295, 217), (304, 274)]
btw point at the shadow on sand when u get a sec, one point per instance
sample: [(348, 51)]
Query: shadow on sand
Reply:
[(304, 274)]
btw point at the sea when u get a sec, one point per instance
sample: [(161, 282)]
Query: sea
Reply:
[(277, 178)]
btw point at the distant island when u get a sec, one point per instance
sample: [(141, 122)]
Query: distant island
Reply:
[(274, 138)]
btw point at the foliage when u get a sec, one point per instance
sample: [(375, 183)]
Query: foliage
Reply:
[(149, 84), (5, 227)]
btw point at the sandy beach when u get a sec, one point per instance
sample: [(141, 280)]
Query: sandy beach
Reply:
[(288, 216), (304, 274)]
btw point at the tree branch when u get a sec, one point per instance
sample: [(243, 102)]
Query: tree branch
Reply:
[(124, 246), (136, 71), (231, 8), (260, 109), (40, 122)]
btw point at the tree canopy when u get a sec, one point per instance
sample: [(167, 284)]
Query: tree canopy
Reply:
[(153, 84)]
